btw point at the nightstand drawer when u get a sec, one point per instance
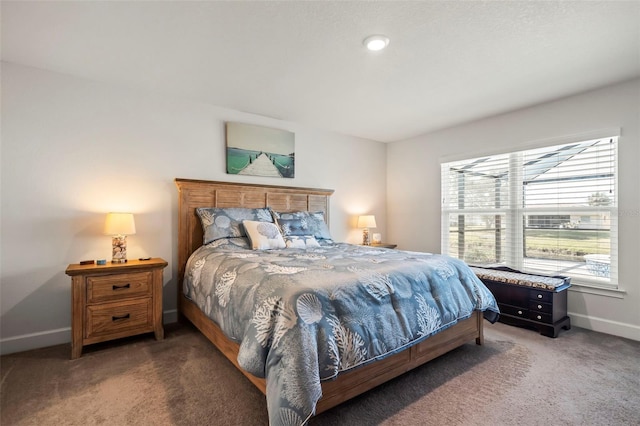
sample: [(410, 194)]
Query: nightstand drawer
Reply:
[(119, 318), (102, 288)]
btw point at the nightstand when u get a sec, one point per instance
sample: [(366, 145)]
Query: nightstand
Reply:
[(115, 300), (384, 245)]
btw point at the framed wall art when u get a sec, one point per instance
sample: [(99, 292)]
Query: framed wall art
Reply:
[(260, 151)]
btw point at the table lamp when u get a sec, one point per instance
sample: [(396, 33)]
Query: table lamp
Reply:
[(366, 222), (119, 225)]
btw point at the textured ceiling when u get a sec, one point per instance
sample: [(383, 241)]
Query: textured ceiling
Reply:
[(447, 63)]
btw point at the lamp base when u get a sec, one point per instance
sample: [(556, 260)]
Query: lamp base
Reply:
[(365, 237), (119, 249)]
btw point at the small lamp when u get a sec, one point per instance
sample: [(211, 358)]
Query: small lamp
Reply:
[(366, 222), (119, 225)]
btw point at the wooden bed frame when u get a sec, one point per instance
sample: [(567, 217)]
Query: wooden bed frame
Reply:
[(200, 193)]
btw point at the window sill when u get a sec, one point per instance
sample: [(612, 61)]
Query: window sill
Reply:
[(599, 291)]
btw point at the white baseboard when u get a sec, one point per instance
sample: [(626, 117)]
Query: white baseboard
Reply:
[(169, 317), (59, 336), (30, 341), (628, 331)]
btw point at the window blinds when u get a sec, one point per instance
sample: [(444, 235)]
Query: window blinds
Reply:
[(548, 210)]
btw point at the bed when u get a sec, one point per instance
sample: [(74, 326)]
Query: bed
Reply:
[(273, 312)]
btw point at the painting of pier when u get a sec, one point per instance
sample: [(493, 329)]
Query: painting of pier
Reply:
[(260, 151)]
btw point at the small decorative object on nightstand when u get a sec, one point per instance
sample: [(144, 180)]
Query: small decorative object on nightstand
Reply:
[(115, 300), (366, 222)]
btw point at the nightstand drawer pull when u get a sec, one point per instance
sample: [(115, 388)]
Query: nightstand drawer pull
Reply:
[(519, 312), (539, 296), (120, 317), (121, 287)]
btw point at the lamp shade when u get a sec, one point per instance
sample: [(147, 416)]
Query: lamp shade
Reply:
[(119, 224), (367, 221)]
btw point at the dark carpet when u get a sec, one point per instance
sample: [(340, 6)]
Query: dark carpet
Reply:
[(517, 378)]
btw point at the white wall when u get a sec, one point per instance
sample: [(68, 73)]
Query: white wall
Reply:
[(73, 150), (413, 186)]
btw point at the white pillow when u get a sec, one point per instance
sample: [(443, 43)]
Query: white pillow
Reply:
[(263, 235), (301, 241)]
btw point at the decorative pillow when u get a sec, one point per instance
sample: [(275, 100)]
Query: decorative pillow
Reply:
[(263, 235), (227, 222), (303, 223), (301, 241)]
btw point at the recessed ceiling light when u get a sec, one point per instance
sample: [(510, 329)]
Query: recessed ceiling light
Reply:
[(376, 42)]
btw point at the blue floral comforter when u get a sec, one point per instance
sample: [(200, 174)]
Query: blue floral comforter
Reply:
[(305, 315)]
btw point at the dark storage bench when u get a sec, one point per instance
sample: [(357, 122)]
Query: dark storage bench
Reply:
[(529, 300)]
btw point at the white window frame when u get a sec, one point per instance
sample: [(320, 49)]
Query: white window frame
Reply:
[(515, 212)]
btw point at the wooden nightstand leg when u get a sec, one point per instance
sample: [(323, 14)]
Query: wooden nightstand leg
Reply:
[(158, 330), (159, 333), (76, 351), (77, 300)]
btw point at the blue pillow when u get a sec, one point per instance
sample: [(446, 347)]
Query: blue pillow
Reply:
[(227, 222), (304, 223)]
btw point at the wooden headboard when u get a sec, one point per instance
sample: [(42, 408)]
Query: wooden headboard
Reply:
[(202, 193)]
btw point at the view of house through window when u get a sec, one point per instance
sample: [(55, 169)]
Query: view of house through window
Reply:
[(549, 210)]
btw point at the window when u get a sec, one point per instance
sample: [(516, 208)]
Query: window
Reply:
[(549, 210)]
